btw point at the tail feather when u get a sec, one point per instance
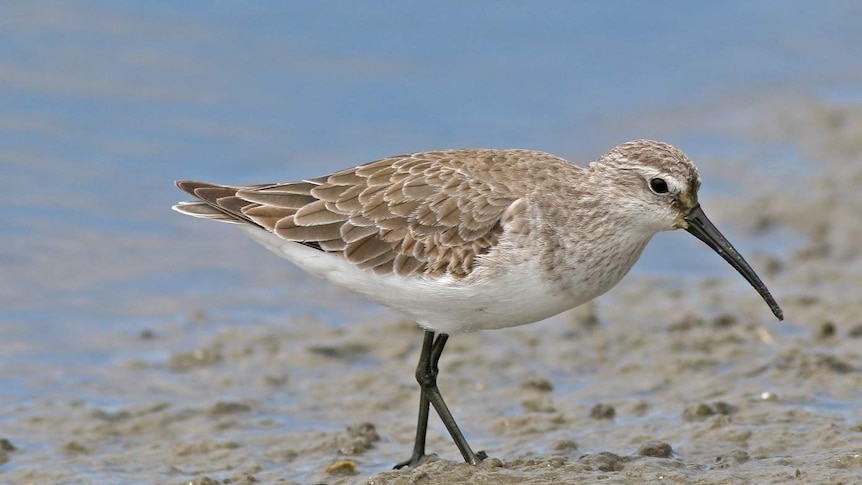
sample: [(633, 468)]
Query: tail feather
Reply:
[(215, 202), (204, 211)]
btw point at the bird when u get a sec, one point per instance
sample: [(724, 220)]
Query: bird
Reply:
[(462, 240)]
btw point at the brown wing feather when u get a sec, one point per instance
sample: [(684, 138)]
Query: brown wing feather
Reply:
[(216, 202), (428, 213)]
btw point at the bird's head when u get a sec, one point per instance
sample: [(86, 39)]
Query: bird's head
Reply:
[(657, 185)]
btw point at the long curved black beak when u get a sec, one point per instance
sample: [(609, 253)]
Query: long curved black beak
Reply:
[(702, 228)]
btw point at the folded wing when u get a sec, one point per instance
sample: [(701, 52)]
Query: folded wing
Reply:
[(412, 214)]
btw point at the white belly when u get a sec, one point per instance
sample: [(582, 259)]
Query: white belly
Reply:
[(515, 297)]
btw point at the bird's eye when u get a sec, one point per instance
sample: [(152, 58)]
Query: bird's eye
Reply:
[(659, 186)]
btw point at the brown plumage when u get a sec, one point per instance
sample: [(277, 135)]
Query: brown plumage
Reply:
[(429, 213)]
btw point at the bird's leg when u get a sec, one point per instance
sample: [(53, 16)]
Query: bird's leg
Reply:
[(428, 383), (434, 347), (421, 428), (426, 375)]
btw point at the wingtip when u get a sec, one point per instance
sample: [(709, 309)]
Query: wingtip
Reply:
[(179, 205), (187, 186)]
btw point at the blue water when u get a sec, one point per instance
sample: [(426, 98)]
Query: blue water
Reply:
[(104, 104)]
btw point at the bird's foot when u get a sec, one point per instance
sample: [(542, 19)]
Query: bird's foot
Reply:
[(480, 455), (417, 460), (412, 462)]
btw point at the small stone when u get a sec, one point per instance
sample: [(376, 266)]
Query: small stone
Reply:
[(75, 448), (807, 300), (697, 412), (242, 479), (7, 445), (538, 384), (366, 431), (657, 449), (223, 407), (360, 438), (773, 266), (272, 380), (825, 331), (538, 406), (342, 468), (564, 446), (723, 408), (835, 364), (701, 411), (604, 461), (603, 411), (733, 458), (350, 351), (739, 456), (489, 463), (724, 320)]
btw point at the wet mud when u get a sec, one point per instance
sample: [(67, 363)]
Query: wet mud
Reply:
[(661, 381)]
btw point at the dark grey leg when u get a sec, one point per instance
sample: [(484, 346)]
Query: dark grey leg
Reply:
[(428, 346), (426, 375)]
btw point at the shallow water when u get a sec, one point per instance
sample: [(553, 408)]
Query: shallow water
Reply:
[(143, 347)]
